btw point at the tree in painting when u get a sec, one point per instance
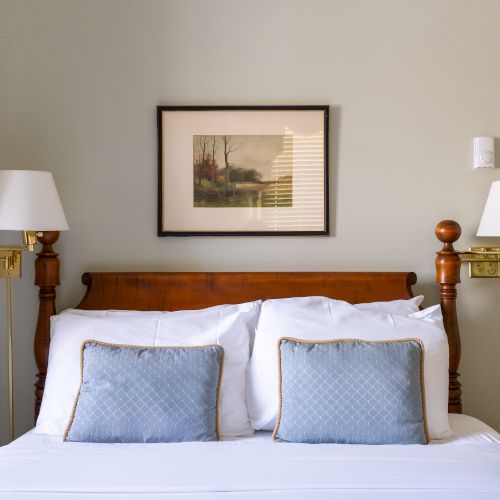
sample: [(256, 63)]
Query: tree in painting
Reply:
[(241, 171)]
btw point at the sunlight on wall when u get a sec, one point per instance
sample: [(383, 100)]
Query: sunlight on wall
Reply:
[(297, 193)]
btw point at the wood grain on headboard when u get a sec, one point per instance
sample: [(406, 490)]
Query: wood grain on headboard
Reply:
[(177, 291)]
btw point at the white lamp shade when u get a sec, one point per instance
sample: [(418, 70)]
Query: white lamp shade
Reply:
[(490, 221), (29, 202)]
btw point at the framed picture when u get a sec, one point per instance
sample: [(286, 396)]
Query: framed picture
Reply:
[(242, 170)]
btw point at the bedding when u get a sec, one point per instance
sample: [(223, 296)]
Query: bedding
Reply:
[(228, 326), (134, 394), (231, 326), (320, 318), (464, 467), (401, 306), (351, 392)]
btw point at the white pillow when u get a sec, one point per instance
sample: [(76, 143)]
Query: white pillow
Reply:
[(407, 306), (319, 318), (226, 325)]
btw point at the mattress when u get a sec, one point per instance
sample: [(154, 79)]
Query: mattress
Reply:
[(466, 466)]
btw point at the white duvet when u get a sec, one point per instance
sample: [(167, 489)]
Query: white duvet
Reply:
[(464, 467)]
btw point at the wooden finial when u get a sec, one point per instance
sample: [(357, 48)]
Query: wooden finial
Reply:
[(448, 276), (46, 278), (448, 231)]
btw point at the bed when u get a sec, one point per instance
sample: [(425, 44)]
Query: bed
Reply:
[(466, 466)]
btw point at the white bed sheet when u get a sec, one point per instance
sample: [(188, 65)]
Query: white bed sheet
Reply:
[(464, 467)]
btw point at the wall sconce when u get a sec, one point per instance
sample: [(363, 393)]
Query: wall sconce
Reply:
[(484, 262), (29, 202)]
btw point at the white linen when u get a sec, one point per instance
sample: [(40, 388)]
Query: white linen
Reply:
[(402, 307), (467, 466), (228, 325), (320, 318)]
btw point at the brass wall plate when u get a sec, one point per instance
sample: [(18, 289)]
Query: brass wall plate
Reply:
[(10, 263), (484, 270), (484, 262)]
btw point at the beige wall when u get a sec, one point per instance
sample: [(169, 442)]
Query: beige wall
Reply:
[(410, 83)]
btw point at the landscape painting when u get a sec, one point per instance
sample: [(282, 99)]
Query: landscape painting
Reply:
[(242, 171)]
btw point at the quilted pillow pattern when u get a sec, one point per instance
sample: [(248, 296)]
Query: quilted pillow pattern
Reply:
[(318, 318), (351, 391), (134, 394)]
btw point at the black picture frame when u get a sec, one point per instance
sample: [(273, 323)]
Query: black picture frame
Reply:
[(162, 232)]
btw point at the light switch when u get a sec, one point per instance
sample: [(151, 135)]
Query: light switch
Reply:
[(484, 152)]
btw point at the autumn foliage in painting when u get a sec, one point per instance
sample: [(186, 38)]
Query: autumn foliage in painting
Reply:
[(219, 180)]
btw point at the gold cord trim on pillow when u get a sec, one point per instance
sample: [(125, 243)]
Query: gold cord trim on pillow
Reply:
[(109, 344), (361, 341)]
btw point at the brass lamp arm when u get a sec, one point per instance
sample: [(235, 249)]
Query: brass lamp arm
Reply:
[(10, 255), (479, 251), (29, 242), (16, 247), (30, 239)]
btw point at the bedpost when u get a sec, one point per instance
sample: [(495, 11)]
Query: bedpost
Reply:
[(448, 276), (46, 278)]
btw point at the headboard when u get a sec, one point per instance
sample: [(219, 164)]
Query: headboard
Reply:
[(176, 291)]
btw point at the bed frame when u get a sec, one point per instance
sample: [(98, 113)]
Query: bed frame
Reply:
[(176, 291)]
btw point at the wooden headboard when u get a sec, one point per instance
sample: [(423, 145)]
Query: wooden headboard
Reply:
[(176, 291)]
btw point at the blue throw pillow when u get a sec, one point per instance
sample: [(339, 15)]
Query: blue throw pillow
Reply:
[(351, 391), (132, 394)]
